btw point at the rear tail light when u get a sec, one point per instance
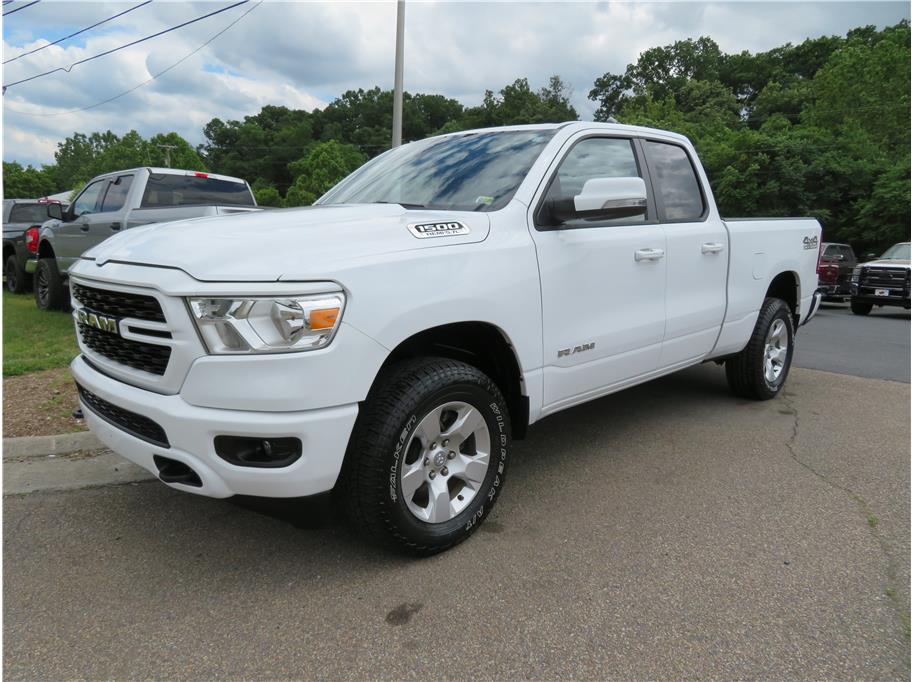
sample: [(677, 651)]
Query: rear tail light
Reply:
[(31, 239)]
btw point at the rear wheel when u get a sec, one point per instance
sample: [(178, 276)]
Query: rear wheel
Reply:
[(861, 307), (18, 281), (760, 370), (50, 294), (428, 455)]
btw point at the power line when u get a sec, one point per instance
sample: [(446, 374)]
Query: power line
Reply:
[(145, 82), (19, 9), (72, 35), (123, 47)]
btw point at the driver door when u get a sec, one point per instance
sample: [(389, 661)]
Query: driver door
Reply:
[(602, 282), (72, 237)]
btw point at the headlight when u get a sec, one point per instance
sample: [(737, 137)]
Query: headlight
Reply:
[(267, 325), (856, 273)]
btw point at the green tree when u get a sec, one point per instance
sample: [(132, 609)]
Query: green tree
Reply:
[(323, 166), (27, 182)]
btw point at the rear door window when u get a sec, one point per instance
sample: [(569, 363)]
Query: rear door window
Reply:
[(677, 187), (194, 190), (116, 196)]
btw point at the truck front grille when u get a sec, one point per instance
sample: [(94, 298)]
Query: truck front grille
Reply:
[(884, 278), (118, 304), (148, 357), (135, 424)]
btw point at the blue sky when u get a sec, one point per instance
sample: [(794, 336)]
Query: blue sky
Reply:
[(302, 54)]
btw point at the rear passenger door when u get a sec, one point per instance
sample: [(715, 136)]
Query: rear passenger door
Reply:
[(696, 254)]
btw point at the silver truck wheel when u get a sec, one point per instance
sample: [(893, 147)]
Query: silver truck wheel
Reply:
[(428, 455), (446, 462), (776, 351), (760, 370)]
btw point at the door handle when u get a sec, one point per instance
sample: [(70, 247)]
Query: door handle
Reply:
[(84, 227), (711, 247), (648, 254), (115, 226)]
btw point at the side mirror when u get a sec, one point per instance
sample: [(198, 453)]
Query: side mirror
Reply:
[(55, 211), (870, 256), (603, 199)]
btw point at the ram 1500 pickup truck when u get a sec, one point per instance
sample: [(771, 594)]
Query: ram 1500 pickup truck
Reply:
[(117, 201), (430, 307)]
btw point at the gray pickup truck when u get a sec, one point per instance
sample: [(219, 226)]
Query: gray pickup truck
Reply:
[(118, 201), (21, 220)]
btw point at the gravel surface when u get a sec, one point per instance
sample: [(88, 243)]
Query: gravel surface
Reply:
[(40, 404), (667, 532)]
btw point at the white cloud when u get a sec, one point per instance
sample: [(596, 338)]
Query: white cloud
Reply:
[(302, 54)]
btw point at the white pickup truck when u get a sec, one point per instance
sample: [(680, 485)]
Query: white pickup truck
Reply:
[(393, 339)]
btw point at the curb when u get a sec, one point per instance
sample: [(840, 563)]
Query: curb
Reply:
[(42, 446), (86, 469)]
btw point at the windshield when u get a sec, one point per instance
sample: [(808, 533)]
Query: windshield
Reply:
[(897, 252), (469, 172)]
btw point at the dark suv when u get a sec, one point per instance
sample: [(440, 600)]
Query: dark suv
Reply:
[(21, 220), (834, 270)]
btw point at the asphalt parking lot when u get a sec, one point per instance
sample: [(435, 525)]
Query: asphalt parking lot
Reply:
[(666, 532)]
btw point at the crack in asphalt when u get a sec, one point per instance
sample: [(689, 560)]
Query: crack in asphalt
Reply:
[(870, 520)]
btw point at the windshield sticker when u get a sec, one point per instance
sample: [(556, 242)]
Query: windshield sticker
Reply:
[(429, 230), (487, 201)]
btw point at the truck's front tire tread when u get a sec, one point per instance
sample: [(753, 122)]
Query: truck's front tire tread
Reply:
[(366, 478)]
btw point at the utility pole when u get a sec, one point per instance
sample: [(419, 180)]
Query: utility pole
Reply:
[(397, 84), (167, 148)]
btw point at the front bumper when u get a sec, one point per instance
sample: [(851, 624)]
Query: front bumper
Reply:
[(191, 431)]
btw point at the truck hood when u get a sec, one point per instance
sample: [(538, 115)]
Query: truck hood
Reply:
[(888, 263), (290, 244)]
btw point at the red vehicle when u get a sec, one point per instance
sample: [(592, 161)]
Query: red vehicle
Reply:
[(834, 270)]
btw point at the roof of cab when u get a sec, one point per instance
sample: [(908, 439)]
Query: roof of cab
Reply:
[(172, 171), (574, 126)]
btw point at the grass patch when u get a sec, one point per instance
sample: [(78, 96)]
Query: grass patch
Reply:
[(872, 521), (34, 339)]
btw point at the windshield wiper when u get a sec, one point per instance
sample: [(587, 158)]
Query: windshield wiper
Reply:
[(401, 203)]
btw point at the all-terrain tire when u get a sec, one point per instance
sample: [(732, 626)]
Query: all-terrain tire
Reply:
[(18, 281), (403, 396), (747, 371), (861, 307), (50, 293)]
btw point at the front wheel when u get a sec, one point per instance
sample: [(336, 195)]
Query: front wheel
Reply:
[(428, 455), (861, 307), (50, 294), (760, 370)]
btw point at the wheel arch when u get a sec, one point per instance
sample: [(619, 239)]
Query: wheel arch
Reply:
[(45, 249), (787, 287), (480, 344), (8, 250)]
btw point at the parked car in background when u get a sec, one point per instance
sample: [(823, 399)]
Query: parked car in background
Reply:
[(22, 219), (424, 312), (834, 270), (883, 282), (121, 200)]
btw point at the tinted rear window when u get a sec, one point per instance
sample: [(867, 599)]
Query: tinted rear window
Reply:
[(677, 182), (190, 190), (28, 213)]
